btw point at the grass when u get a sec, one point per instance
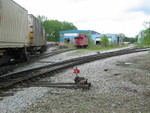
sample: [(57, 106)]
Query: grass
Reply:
[(104, 48), (97, 47), (94, 48)]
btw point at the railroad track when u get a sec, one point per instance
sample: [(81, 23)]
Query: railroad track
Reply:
[(60, 85), (45, 55), (8, 80), (10, 68)]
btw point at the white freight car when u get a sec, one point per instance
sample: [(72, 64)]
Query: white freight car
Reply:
[(36, 34), (13, 31), (20, 35), (13, 25)]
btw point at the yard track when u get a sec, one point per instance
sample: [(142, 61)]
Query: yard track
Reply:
[(10, 68), (9, 80)]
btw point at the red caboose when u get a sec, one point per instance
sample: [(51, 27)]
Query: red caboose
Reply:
[(81, 41)]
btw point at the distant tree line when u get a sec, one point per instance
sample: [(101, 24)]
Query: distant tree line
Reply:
[(53, 27), (146, 40), (130, 39)]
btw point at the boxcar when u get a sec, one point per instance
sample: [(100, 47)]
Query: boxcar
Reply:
[(81, 41), (37, 35), (20, 34), (13, 31), (13, 25)]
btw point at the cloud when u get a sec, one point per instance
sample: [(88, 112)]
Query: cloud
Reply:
[(111, 16), (144, 7)]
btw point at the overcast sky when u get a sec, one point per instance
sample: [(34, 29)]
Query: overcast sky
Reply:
[(104, 16)]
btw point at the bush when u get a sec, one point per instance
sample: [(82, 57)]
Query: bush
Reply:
[(146, 40), (105, 41), (90, 41)]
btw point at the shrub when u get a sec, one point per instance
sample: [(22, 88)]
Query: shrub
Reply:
[(105, 41)]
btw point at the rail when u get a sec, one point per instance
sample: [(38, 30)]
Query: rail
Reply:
[(9, 80)]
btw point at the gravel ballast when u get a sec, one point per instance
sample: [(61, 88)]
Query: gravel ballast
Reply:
[(119, 84)]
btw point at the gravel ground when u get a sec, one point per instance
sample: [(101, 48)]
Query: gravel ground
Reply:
[(119, 85), (60, 57)]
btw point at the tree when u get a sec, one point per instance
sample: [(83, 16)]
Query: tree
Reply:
[(130, 39), (146, 24), (136, 38), (53, 27), (122, 35), (67, 26), (105, 41), (41, 18), (146, 40)]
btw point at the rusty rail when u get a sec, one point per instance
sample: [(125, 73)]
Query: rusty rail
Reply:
[(60, 85), (47, 70)]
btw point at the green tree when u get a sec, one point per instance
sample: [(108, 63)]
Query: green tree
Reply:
[(126, 39), (105, 41), (41, 18), (90, 41), (146, 40), (130, 39), (67, 26), (53, 27), (136, 38)]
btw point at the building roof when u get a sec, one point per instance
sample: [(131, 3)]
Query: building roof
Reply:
[(110, 34), (79, 31)]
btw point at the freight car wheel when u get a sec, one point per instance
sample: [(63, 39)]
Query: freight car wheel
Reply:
[(24, 56), (42, 50), (27, 56)]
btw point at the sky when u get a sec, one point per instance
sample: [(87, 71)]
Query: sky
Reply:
[(103, 16)]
